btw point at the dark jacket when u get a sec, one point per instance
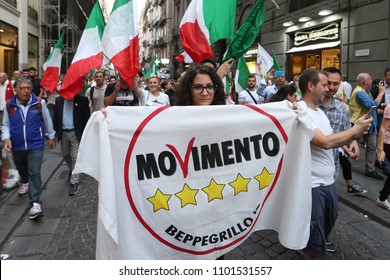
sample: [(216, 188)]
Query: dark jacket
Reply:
[(81, 114)]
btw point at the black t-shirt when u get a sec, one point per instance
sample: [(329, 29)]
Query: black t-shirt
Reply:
[(171, 94), (36, 83), (125, 96)]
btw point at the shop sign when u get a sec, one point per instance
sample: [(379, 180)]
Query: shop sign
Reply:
[(251, 53), (330, 32)]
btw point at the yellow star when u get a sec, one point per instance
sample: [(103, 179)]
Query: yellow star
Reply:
[(214, 190), (160, 201), (187, 196), (240, 184), (265, 178)]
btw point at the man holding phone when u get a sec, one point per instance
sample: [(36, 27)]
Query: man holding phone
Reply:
[(361, 102)]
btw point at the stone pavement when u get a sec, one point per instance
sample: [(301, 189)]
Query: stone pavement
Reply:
[(68, 229)]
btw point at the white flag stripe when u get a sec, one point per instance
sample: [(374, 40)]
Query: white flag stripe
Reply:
[(91, 45)]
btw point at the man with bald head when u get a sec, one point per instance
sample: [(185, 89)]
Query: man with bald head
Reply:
[(360, 104)]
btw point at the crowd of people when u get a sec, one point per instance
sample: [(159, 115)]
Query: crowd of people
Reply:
[(29, 113)]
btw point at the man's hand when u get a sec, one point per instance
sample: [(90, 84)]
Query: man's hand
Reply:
[(355, 150), (7, 145), (380, 155), (52, 143), (363, 125), (225, 68)]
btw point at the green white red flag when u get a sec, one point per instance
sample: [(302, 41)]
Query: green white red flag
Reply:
[(52, 67), (88, 56), (204, 23), (120, 39), (184, 57)]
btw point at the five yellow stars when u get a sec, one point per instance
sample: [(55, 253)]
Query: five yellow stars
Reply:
[(213, 191)]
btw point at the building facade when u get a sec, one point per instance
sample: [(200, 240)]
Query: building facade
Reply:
[(29, 29), (155, 34), (353, 36), (19, 35)]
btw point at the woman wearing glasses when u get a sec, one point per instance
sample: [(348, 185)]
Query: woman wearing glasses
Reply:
[(200, 86)]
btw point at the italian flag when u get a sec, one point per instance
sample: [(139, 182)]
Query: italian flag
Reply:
[(120, 40), (204, 23), (52, 67), (88, 56), (184, 57)]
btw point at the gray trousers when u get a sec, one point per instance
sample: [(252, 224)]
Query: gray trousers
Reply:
[(370, 151), (69, 148)]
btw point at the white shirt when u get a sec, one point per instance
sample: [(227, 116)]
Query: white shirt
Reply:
[(148, 99), (322, 161), (3, 89), (248, 99)]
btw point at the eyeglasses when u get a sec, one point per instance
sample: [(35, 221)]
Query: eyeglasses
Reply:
[(24, 88), (210, 88)]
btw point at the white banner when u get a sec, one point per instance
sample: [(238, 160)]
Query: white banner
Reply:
[(194, 182)]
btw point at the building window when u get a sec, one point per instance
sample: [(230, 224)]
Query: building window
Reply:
[(296, 5), (8, 48), (32, 51), (8, 35), (11, 2)]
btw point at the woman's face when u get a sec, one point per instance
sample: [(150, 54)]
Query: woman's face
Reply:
[(154, 84), (204, 96)]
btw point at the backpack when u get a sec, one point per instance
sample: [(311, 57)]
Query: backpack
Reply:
[(91, 92)]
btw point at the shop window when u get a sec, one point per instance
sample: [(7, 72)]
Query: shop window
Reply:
[(331, 58), (8, 35), (313, 61)]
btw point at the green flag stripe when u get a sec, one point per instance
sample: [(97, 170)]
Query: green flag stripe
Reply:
[(220, 18), (96, 19)]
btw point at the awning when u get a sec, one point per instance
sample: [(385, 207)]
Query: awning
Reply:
[(314, 47)]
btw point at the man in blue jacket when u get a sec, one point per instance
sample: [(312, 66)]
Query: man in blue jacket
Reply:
[(24, 122)]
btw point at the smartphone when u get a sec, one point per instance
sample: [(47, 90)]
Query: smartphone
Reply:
[(371, 111)]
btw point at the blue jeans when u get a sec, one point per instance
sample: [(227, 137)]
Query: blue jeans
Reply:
[(28, 164)]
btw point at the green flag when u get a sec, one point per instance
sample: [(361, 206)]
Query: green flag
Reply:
[(242, 74), (276, 64), (153, 71), (247, 34)]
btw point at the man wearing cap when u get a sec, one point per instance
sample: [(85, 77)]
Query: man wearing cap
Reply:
[(280, 80)]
